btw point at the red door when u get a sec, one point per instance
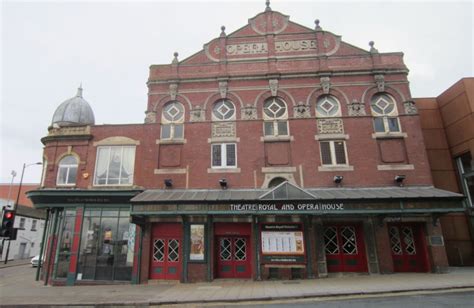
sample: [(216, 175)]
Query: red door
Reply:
[(166, 251), (233, 257), (345, 248), (408, 248)]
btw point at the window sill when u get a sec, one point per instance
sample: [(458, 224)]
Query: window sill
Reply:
[(171, 141), (395, 167), (170, 171), (331, 137), (389, 135), (223, 139), (335, 168), (276, 138), (223, 170)]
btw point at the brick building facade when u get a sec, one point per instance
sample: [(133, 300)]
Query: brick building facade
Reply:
[(277, 151)]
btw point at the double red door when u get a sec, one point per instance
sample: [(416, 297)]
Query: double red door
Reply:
[(166, 249), (233, 257), (408, 248), (345, 248)]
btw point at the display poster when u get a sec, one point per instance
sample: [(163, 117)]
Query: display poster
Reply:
[(197, 243), (282, 242), (130, 238)]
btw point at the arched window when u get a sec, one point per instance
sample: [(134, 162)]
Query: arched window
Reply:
[(223, 110), (275, 116), (384, 111), (328, 106), (172, 119), (67, 171), (276, 181)]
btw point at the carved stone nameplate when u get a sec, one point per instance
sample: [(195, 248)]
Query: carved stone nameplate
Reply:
[(223, 129), (330, 126)]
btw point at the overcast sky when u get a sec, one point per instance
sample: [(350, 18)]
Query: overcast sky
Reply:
[(49, 48)]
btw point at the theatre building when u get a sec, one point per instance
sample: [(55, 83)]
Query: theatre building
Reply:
[(278, 151)]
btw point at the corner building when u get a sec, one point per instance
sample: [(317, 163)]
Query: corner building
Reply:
[(276, 152)]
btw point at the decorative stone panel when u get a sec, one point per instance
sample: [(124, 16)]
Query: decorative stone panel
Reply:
[(356, 108), (223, 88), (150, 117), (325, 84), (249, 112), (380, 81), (301, 110), (197, 114), (330, 126), (273, 84), (173, 89), (410, 107), (223, 129)]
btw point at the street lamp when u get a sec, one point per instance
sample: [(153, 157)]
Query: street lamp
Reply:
[(21, 182), (15, 205)]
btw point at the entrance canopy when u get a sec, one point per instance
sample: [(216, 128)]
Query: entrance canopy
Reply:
[(287, 198)]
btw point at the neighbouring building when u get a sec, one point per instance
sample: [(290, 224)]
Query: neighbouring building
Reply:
[(29, 222), (277, 151), (447, 123)]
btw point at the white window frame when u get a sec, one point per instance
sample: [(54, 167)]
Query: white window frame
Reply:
[(223, 147), (231, 118), (328, 97), (275, 120), (172, 123), (34, 223), (68, 167), (95, 180), (332, 151), (22, 223), (385, 115)]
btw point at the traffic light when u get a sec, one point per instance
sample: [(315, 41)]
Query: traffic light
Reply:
[(7, 224)]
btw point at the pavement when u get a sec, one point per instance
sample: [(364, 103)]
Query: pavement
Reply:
[(11, 263), (18, 288)]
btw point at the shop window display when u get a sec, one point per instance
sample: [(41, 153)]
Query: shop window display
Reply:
[(65, 242), (107, 243)]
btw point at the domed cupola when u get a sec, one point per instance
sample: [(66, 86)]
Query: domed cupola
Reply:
[(75, 111)]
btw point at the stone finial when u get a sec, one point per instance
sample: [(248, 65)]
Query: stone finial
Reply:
[(317, 28), (268, 8), (175, 59), (79, 91), (223, 31), (372, 48)]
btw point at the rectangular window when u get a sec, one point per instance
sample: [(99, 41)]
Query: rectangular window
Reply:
[(22, 223), (172, 131), (114, 165), (33, 225), (386, 124), (333, 152), (275, 128), (224, 155)]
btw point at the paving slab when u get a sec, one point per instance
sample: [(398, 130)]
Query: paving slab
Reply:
[(18, 287)]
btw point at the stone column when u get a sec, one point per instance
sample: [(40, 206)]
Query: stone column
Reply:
[(439, 258), (372, 260), (384, 249), (318, 231)]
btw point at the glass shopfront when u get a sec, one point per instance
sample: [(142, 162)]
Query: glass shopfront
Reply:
[(66, 229), (106, 246)]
